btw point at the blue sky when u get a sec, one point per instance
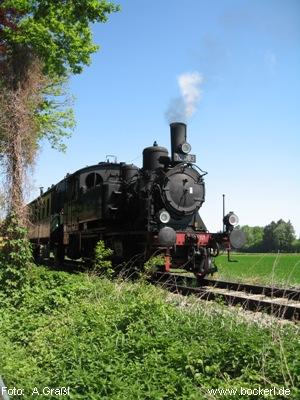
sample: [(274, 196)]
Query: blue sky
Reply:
[(245, 125)]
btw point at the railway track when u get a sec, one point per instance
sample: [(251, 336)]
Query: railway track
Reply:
[(67, 265), (279, 302), (282, 303)]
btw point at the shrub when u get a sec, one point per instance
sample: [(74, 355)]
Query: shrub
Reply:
[(15, 258), (115, 341), (101, 264), (151, 265)]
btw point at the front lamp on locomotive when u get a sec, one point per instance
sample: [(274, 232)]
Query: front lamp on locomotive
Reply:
[(177, 191)]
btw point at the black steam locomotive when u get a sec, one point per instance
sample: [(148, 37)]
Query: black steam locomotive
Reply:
[(136, 211)]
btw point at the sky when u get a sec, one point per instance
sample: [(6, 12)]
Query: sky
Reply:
[(230, 69)]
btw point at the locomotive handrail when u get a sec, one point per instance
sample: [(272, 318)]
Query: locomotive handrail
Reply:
[(201, 170)]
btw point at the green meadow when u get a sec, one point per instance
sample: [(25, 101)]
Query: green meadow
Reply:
[(279, 269)]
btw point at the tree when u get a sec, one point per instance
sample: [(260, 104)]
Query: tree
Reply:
[(254, 236), (284, 235), (2, 205), (42, 42), (268, 238), (57, 32), (278, 236), (296, 245)]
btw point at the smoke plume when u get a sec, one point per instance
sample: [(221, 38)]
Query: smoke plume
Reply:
[(183, 107)]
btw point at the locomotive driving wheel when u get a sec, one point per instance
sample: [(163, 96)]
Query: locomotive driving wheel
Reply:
[(203, 263)]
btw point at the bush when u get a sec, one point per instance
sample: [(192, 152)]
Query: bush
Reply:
[(100, 263), (151, 265), (116, 340), (15, 258)]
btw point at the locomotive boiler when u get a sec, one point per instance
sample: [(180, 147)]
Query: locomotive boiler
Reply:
[(138, 212)]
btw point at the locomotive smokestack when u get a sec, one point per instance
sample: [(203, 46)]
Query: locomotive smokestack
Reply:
[(178, 137)]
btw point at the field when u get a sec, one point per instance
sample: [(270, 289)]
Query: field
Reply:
[(277, 269), (133, 341)]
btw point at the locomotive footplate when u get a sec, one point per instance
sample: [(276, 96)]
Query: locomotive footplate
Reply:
[(192, 238), (193, 251)]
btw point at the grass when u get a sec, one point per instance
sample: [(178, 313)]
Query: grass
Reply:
[(118, 340), (281, 269)]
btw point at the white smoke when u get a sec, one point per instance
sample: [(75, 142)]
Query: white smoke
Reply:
[(189, 84), (184, 107)]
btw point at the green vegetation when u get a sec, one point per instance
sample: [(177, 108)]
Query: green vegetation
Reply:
[(277, 236), (49, 40), (151, 266), (280, 268), (15, 259), (117, 340), (102, 265), (58, 32), (42, 43)]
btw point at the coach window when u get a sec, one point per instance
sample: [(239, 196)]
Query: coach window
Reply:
[(73, 184), (98, 180), (75, 188), (92, 180), (48, 208)]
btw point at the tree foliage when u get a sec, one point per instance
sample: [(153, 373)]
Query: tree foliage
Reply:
[(276, 236), (54, 115), (58, 32), (15, 255), (254, 236), (42, 42), (56, 35), (280, 235)]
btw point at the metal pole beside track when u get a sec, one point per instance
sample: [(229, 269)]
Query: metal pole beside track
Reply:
[(223, 211), (3, 394)]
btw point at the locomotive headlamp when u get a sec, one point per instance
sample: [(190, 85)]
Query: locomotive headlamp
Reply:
[(185, 148), (164, 216), (230, 220), (233, 219)]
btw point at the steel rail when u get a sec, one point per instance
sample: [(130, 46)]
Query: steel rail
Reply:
[(264, 298), (250, 297), (270, 291)]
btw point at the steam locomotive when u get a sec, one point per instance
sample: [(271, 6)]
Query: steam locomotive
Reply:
[(136, 211)]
